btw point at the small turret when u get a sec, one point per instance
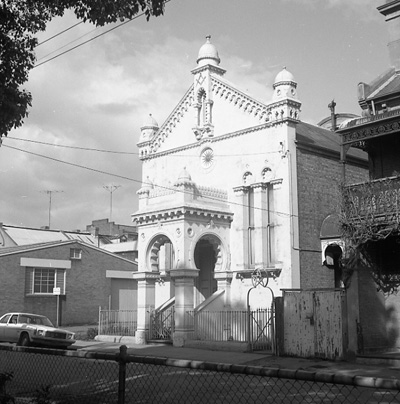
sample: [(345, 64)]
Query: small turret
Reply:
[(149, 129)]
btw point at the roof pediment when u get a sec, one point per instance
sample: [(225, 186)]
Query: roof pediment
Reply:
[(243, 111)]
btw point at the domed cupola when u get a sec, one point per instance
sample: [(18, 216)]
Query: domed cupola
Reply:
[(208, 54), (207, 67), (284, 85), (148, 129), (145, 189), (285, 104), (184, 178)]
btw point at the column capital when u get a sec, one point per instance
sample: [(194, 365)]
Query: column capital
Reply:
[(146, 276), (184, 273), (223, 275)]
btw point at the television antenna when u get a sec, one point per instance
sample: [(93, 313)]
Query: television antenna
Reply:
[(111, 189), (50, 193)]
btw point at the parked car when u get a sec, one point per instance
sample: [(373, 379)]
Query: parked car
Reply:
[(32, 329)]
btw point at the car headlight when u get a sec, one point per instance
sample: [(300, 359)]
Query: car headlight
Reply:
[(70, 336), (42, 333)]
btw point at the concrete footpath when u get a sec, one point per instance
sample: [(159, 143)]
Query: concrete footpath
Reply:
[(386, 369)]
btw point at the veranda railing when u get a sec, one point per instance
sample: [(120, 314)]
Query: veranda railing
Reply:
[(117, 322)]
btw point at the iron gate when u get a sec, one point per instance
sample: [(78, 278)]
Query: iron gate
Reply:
[(261, 322), (162, 324), (262, 330)]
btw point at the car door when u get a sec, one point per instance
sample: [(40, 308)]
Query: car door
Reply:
[(3, 325), (11, 330)]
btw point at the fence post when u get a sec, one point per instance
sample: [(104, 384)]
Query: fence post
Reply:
[(99, 320), (122, 373)]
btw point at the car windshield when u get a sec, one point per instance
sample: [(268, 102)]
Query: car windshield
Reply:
[(37, 320)]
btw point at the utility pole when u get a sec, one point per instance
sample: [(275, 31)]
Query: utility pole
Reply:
[(49, 193), (111, 189)]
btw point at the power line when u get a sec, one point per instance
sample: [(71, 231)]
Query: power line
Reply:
[(71, 147), (95, 37), (135, 180), (56, 35), (134, 153), (68, 43)]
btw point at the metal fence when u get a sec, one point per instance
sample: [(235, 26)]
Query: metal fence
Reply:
[(255, 326), (117, 322), (219, 325), (63, 377)]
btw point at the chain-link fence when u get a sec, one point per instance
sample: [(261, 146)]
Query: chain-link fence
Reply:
[(51, 376)]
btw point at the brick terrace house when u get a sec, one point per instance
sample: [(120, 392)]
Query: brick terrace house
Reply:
[(72, 276), (372, 209), (231, 184)]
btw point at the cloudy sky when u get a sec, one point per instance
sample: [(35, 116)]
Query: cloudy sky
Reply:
[(79, 141)]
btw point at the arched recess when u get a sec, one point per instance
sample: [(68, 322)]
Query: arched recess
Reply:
[(208, 258), (333, 255), (160, 254), (202, 107)]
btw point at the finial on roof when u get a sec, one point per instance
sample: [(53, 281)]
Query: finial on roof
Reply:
[(208, 54)]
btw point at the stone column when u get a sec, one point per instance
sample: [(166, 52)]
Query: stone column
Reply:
[(224, 282), (241, 254), (184, 302), (145, 303), (260, 223)]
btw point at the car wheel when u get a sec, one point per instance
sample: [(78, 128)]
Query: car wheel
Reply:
[(24, 340)]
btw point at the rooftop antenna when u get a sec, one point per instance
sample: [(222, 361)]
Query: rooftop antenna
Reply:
[(49, 193), (111, 189)]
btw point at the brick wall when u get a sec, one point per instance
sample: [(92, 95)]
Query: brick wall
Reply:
[(319, 179), (86, 287)]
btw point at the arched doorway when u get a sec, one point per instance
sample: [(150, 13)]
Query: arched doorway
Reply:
[(161, 254), (333, 255), (205, 258)]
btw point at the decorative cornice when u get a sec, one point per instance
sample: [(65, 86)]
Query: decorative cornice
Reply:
[(261, 185), (184, 273), (209, 141), (285, 83), (212, 68), (223, 275), (180, 213), (204, 192), (370, 130), (168, 126), (145, 276), (240, 99)]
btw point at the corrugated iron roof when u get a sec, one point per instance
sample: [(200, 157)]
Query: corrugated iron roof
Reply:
[(390, 87), (315, 136), (23, 235)]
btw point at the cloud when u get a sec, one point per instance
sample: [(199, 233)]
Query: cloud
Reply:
[(364, 9), (98, 95), (94, 97)]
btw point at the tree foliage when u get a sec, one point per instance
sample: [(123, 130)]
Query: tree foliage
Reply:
[(21, 20)]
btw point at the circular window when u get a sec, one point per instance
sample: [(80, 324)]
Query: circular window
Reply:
[(207, 157)]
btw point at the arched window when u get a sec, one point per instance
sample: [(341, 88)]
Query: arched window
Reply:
[(202, 107), (266, 174), (247, 178)]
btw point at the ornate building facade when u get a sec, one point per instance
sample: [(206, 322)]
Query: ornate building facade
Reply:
[(231, 185)]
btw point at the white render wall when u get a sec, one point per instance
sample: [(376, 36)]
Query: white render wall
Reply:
[(233, 156), (241, 141)]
